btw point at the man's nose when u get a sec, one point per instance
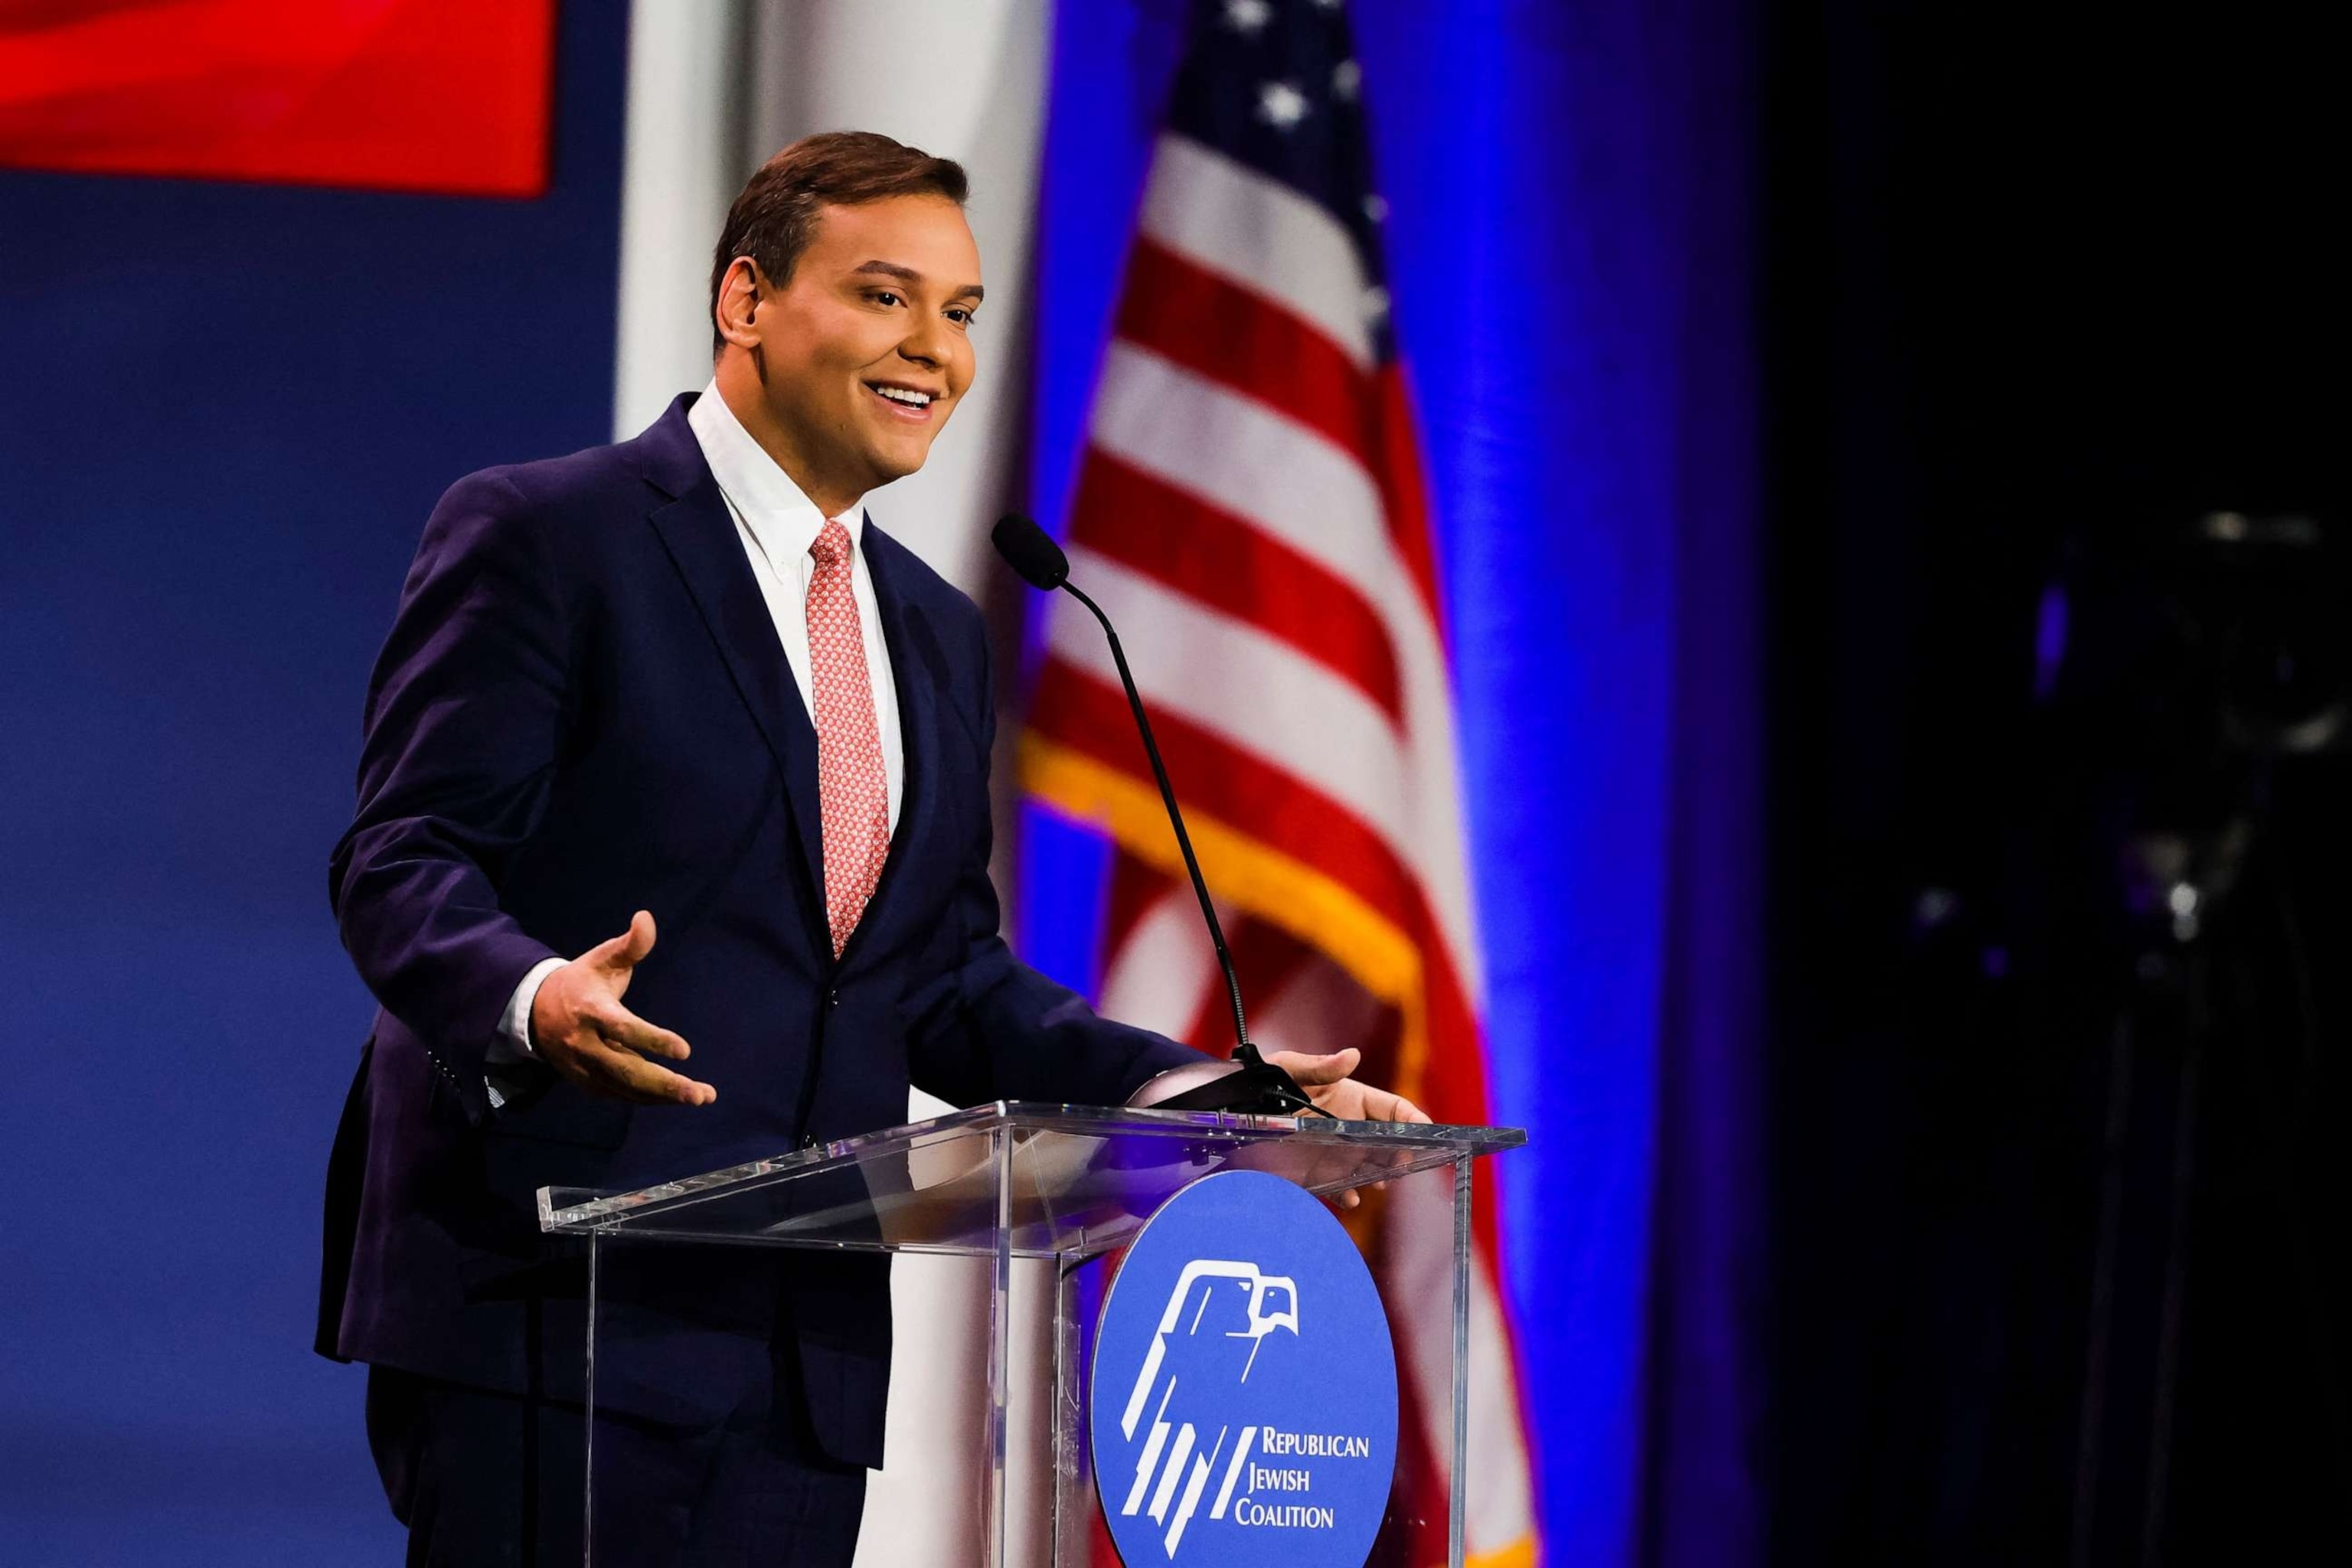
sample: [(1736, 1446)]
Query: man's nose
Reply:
[(926, 344)]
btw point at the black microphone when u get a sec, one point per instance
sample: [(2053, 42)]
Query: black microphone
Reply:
[(1030, 551), (1248, 1083)]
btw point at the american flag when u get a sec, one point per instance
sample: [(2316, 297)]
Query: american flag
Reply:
[(1250, 512)]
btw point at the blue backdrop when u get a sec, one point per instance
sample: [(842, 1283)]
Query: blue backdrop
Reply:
[(226, 411), (225, 414)]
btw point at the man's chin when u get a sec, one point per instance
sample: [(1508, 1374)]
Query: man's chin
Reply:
[(895, 463)]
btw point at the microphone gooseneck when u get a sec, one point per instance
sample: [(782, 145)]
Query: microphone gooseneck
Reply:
[(1243, 1048), (1031, 551)]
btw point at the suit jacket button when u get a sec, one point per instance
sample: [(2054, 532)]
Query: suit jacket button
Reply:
[(832, 998)]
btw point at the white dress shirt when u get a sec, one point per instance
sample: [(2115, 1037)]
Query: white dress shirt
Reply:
[(777, 524)]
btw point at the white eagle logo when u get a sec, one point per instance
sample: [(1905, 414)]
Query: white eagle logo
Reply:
[(1258, 1319)]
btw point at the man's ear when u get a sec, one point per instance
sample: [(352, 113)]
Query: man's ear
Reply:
[(740, 293)]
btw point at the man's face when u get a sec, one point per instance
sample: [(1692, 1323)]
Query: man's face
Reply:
[(866, 349)]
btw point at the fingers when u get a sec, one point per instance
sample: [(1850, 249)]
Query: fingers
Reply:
[(641, 937), (1341, 1095), (1353, 1101), (652, 1085), (626, 951), (1379, 1105), (620, 1074), (1397, 1108), (622, 1027), (1306, 1069), (626, 1040)]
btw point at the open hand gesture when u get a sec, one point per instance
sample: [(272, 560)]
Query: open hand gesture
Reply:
[(579, 1027)]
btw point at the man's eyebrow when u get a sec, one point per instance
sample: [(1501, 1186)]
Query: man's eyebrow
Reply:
[(908, 275)]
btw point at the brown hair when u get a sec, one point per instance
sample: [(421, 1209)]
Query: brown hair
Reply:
[(774, 219)]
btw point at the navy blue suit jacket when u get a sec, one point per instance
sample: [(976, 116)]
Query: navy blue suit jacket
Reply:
[(582, 710)]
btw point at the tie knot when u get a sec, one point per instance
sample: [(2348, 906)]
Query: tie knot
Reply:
[(832, 544)]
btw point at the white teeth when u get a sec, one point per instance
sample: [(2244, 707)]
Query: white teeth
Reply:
[(900, 395)]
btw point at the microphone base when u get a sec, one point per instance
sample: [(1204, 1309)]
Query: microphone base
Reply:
[(1242, 1088)]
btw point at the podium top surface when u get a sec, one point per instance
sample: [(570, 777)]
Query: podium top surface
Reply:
[(1063, 1180)]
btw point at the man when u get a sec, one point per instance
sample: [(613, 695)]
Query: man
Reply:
[(676, 709)]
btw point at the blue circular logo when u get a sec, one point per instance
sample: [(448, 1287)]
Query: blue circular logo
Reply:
[(1244, 1391)]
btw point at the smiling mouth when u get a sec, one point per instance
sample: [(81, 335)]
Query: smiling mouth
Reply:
[(907, 402)]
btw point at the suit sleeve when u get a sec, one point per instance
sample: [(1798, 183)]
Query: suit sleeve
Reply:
[(464, 718), (994, 1028)]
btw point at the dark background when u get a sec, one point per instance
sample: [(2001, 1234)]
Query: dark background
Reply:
[(2043, 288)]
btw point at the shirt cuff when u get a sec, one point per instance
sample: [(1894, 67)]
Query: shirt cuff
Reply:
[(512, 1042)]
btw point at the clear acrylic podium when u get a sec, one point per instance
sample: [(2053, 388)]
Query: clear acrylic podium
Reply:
[(1013, 1180)]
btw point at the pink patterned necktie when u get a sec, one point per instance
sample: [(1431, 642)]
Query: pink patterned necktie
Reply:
[(852, 793)]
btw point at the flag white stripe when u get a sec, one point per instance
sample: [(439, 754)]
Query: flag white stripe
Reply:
[(1259, 235)]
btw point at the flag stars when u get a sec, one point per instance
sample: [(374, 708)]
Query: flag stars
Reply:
[(1374, 302), (1376, 207), (1347, 80), (1246, 17), (1281, 105)]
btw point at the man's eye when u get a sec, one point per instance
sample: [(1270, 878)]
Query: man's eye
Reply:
[(885, 297), (959, 315)]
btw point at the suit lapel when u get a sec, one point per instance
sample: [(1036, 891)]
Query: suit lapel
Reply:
[(699, 533), (916, 675)]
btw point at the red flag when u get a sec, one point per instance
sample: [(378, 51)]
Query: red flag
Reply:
[(430, 95)]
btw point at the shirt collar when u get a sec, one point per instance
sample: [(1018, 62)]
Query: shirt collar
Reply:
[(777, 511)]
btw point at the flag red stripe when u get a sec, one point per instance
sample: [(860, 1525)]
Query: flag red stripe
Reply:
[(1222, 561), (1249, 343)]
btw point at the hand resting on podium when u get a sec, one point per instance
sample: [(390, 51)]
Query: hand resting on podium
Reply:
[(1326, 1083)]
